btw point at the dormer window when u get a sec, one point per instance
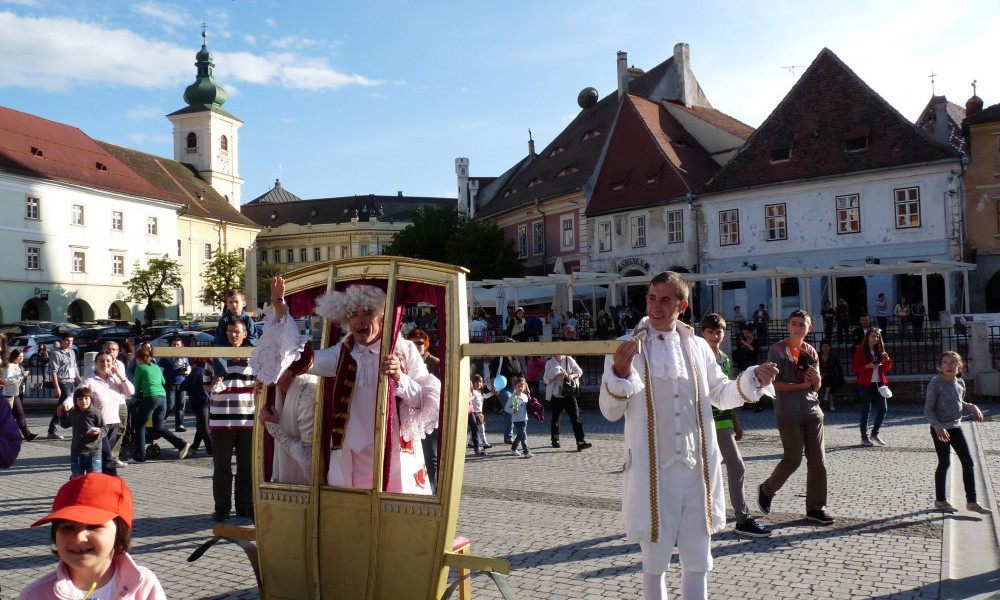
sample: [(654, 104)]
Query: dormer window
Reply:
[(534, 182), (37, 152), (556, 150), (856, 144), (509, 192), (781, 154), (617, 187), (567, 171), (591, 134), (102, 167)]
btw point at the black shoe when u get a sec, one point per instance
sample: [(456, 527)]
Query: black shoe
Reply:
[(763, 500), (819, 516), (555, 444), (583, 446), (752, 528), (245, 514), (31, 437), (180, 429), (219, 516)]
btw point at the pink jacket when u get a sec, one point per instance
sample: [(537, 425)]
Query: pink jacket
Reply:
[(134, 583)]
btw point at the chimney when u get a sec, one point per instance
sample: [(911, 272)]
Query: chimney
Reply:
[(686, 85), (941, 132), (634, 73), (622, 74), (531, 145)]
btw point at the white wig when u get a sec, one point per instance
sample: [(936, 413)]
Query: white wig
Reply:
[(338, 306)]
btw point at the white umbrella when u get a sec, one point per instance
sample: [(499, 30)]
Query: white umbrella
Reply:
[(502, 304)]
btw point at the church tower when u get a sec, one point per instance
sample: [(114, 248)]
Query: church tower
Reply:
[(205, 135)]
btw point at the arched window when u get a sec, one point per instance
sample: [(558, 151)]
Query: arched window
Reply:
[(224, 144), (192, 142)]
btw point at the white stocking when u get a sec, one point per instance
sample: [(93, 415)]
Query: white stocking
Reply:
[(654, 586), (694, 585)]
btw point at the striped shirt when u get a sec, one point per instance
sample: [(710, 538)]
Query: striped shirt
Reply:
[(232, 403)]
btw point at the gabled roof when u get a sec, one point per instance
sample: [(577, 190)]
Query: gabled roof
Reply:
[(954, 114), (828, 106), (650, 159), (37, 147), (275, 195), (179, 182), (341, 209)]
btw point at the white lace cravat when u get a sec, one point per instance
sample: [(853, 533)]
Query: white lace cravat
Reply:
[(666, 359), (367, 359)]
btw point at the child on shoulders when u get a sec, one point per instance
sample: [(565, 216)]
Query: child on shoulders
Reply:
[(236, 303)]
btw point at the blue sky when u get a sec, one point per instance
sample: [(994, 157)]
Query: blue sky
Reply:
[(381, 96)]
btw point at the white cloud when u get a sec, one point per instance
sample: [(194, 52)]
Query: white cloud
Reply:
[(145, 112), (66, 52), (287, 121), (169, 14), (249, 40)]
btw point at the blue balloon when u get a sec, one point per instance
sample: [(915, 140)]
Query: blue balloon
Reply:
[(499, 383)]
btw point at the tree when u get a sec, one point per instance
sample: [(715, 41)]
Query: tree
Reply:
[(226, 271), (475, 245), (265, 274), (155, 283)]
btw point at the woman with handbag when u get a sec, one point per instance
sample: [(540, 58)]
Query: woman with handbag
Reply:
[(562, 388), (870, 364)]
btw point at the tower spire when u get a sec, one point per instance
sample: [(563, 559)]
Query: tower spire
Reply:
[(204, 92)]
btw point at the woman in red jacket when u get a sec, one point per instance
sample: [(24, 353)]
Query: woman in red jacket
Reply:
[(870, 364)]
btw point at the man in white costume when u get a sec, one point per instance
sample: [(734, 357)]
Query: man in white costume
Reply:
[(355, 365), (672, 493)]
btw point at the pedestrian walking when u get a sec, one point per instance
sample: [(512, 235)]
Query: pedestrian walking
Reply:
[(871, 362), (562, 390)]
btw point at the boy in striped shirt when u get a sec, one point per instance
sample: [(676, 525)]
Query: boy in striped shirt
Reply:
[(230, 419)]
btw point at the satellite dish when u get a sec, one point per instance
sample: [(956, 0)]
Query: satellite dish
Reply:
[(587, 98)]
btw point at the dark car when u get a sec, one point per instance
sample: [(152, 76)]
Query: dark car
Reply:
[(158, 330), (23, 328), (188, 338), (91, 340)]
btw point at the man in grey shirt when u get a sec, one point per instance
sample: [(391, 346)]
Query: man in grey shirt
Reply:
[(64, 376)]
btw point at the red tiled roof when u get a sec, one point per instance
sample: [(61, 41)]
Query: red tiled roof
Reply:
[(717, 118), (927, 121), (37, 147), (650, 159), (827, 106)]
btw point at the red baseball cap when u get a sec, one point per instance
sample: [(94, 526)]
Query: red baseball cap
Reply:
[(92, 499)]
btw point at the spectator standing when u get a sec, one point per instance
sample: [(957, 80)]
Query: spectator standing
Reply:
[(727, 432), (149, 382), (870, 364), (605, 325), (174, 372), (517, 407), (829, 315), (64, 376), (860, 332), (111, 348), (109, 387), (843, 316), (583, 326), (43, 354), (917, 315), (515, 328), (88, 433), (902, 313), (13, 383), (562, 389), (510, 368), (799, 419), (477, 329), (555, 321), (882, 312), (477, 410), (196, 384), (747, 349), (422, 341), (832, 373), (739, 319), (761, 320), (534, 369)]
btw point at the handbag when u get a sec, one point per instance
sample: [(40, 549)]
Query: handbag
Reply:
[(570, 387), (885, 391)]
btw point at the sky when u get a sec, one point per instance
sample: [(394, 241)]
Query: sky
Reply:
[(342, 98)]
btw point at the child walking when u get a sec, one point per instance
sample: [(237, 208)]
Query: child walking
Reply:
[(91, 530), (478, 396), (517, 406), (943, 408), (88, 433)]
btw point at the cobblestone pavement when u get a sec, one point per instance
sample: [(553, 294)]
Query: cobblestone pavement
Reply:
[(556, 518)]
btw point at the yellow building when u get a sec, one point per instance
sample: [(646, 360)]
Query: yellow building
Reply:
[(982, 198)]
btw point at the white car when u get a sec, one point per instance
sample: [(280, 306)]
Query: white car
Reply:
[(29, 344)]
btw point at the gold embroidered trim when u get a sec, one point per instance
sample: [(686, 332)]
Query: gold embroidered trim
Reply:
[(621, 397), (704, 448), (739, 389), (654, 491)]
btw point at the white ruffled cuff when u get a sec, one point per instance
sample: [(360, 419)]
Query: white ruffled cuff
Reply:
[(279, 345)]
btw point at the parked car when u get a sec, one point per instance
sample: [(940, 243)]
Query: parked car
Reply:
[(29, 344), (208, 322), (156, 331), (91, 340), (58, 328), (23, 328), (113, 323), (188, 338), (168, 323)]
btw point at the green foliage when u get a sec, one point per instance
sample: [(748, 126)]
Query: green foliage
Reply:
[(446, 234), (156, 282), (226, 271), (265, 274)]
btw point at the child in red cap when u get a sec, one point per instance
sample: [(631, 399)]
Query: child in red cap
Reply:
[(91, 530)]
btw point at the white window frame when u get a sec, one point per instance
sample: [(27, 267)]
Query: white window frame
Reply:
[(33, 208), (906, 200), (637, 231), (604, 243), (848, 207), (77, 215), (776, 222), (567, 232), (118, 265), (79, 261), (522, 240), (152, 226), (117, 220), (538, 237), (675, 226), (33, 258), (729, 227), (208, 251)]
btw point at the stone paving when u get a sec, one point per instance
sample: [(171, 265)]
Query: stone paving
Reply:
[(556, 518)]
